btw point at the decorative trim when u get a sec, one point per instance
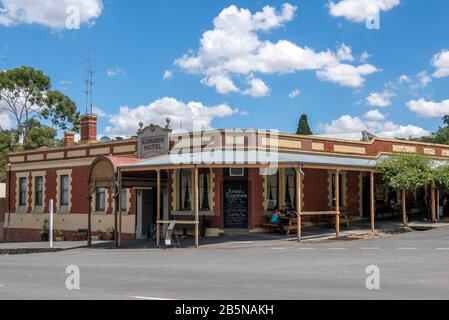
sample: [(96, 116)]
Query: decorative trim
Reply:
[(349, 149), (404, 149)]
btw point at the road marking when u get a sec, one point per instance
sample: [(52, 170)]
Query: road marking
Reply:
[(149, 298), (306, 249), (443, 249), (278, 248), (370, 248), (1, 285), (406, 249)]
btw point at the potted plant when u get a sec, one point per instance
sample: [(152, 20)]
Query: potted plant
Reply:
[(110, 233), (45, 231)]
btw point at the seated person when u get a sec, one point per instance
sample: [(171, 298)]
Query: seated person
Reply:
[(276, 219)]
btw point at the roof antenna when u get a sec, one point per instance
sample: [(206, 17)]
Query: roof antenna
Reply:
[(89, 80)]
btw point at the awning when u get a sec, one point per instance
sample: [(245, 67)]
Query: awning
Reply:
[(250, 158)]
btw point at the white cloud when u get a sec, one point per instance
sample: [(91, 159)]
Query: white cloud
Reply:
[(360, 10), (429, 109), (295, 93), (375, 123), (344, 53), (115, 72), (424, 79), (191, 115), (404, 79), (380, 99), (441, 62), (234, 48), (364, 57), (222, 84), (5, 122), (49, 13), (168, 74), (374, 115), (99, 112), (257, 89), (346, 74)]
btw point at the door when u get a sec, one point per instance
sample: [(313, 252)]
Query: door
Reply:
[(235, 204)]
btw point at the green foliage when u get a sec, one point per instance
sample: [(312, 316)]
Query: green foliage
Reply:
[(406, 172), (27, 96), (441, 177), (303, 126)]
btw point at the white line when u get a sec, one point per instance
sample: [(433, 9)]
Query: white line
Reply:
[(306, 249), (278, 248), (2, 285), (406, 249), (443, 249), (149, 298), (370, 248)]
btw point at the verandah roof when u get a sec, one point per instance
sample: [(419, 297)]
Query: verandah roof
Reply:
[(250, 158)]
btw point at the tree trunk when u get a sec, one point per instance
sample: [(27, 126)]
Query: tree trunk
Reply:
[(404, 209)]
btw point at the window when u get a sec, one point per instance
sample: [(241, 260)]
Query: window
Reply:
[(290, 188), (272, 191), (342, 191), (124, 201), (185, 190), (23, 192), (237, 172), (39, 191), (100, 200), (64, 191), (204, 180)]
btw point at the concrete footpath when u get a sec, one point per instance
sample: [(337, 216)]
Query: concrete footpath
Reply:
[(41, 247)]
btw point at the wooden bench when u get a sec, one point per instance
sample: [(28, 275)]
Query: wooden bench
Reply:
[(289, 224)]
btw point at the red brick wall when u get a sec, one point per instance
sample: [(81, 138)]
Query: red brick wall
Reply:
[(256, 190), (316, 190), (352, 192)]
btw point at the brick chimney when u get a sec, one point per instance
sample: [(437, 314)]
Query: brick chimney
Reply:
[(69, 139), (88, 129)]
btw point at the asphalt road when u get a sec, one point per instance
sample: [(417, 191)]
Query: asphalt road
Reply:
[(412, 266)]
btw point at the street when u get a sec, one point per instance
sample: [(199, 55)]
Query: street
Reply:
[(412, 266)]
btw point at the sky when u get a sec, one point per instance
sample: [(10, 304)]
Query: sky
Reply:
[(350, 65)]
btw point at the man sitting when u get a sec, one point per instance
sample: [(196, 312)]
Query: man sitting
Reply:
[(276, 219)]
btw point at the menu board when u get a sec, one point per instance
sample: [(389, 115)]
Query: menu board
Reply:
[(236, 204)]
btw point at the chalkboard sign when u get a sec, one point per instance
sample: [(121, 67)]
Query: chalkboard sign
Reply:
[(236, 204)]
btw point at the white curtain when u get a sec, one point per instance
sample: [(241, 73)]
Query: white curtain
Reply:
[(204, 189), (291, 186), (273, 189)]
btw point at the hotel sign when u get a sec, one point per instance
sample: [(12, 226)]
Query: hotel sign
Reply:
[(153, 141)]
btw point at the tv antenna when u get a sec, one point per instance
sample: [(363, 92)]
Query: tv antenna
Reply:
[(89, 80)]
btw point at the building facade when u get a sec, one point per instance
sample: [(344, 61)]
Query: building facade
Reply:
[(250, 174)]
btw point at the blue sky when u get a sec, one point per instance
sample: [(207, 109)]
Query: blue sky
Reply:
[(308, 57)]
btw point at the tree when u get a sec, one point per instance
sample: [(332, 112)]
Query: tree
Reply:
[(7, 144), (406, 172), (303, 126), (40, 136), (26, 95)]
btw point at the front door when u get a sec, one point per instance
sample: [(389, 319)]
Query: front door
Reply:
[(235, 204)]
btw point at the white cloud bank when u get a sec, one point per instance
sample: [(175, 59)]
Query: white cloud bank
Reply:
[(360, 10), (233, 48), (49, 13), (441, 62), (192, 115), (429, 109), (375, 123)]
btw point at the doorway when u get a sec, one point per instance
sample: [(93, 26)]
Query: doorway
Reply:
[(146, 211)]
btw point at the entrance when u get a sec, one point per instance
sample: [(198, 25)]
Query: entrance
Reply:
[(146, 211), (235, 204)]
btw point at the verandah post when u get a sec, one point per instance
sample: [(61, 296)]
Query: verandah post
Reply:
[(404, 209), (337, 202), (299, 201), (372, 203), (197, 207), (158, 209)]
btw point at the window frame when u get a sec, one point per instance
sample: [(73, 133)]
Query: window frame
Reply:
[(38, 191), (97, 200), (23, 201), (64, 202)]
